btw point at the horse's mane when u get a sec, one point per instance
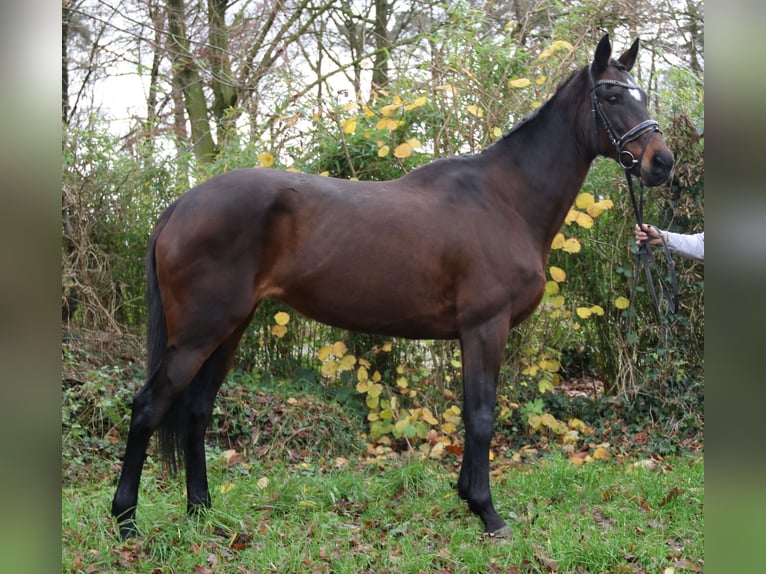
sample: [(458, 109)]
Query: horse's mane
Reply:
[(541, 109)]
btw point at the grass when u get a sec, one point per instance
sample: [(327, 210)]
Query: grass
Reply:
[(399, 516)]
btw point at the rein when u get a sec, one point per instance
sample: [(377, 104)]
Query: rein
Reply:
[(644, 256)]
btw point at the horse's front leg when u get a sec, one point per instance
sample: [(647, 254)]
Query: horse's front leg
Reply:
[(483, 348)]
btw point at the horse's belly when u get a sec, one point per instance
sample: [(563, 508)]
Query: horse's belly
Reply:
[(395, 308)]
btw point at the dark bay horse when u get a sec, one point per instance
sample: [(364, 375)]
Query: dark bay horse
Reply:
[(456, 249)]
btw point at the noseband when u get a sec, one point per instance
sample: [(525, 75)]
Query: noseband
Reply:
[(644, 257)]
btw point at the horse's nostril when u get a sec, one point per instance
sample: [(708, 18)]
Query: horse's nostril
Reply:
[(662, 161)]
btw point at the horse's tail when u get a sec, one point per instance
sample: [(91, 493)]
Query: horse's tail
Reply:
[(172, 431)]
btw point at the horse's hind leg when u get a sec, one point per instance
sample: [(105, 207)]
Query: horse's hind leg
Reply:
[(150, 406), (204, 389)]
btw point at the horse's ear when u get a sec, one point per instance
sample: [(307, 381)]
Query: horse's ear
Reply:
[(629, 57), (601, 57)]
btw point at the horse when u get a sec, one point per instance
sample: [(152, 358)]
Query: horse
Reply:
[(455, 249)]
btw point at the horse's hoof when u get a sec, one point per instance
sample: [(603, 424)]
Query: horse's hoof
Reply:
[(128, 530), (504, 532)]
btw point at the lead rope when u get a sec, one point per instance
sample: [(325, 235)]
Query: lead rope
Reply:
[(645, 259)]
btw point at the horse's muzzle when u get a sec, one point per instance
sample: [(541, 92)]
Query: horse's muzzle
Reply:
[(657, 168)]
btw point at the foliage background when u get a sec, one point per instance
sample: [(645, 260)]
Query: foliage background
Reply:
[(258, 83)]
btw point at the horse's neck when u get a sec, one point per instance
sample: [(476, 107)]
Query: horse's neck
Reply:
[(541, 168)]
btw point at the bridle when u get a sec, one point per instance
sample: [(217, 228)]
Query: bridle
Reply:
[(644, 256)]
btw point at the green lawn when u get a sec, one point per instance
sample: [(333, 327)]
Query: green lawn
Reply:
[(400, 516)]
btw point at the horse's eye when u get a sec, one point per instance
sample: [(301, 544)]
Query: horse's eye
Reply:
[(612, 99)]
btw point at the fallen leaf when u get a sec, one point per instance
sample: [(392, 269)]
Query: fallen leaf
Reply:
[(673, 493)]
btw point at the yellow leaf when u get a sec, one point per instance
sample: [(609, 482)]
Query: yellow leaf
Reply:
[(551, 288), (583, 312), (279, 331), (475, 110), (324, 352), (376, 378), (403, 150), (262, 482), (497, 133), (227, 487), (540, 80), (562, 45), (325, 174), (584, 220), (571, 216), (347, 363), (557, 302), (584, 200), (362, 386), (427, 416), (571, 437), (401, 382), (386, 348), (362, 375), (281, 318), (550, 365), (368, 111), (577, 460), (437, 451), (547, 53), (557, 273), (329, 368), (571, 245), (349, 125), (544, 385), (388, 124), (601, 453), (509, 26), (375, 389), (576, 424), (416, 103), (266, 159), (621, 303), (383, 151), (530, 370), (519, 82), (339, 349), (558, 241), (390, 109), (448, 428), (597, 310), (414, 143), (599, 207)]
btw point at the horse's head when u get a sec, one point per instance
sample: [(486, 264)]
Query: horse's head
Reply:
[(625, 130)]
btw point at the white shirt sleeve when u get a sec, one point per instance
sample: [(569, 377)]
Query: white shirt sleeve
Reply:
[(691, 246)]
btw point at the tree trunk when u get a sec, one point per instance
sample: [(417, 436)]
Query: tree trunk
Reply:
[(225, 94), (188, 78), (382, 44)]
